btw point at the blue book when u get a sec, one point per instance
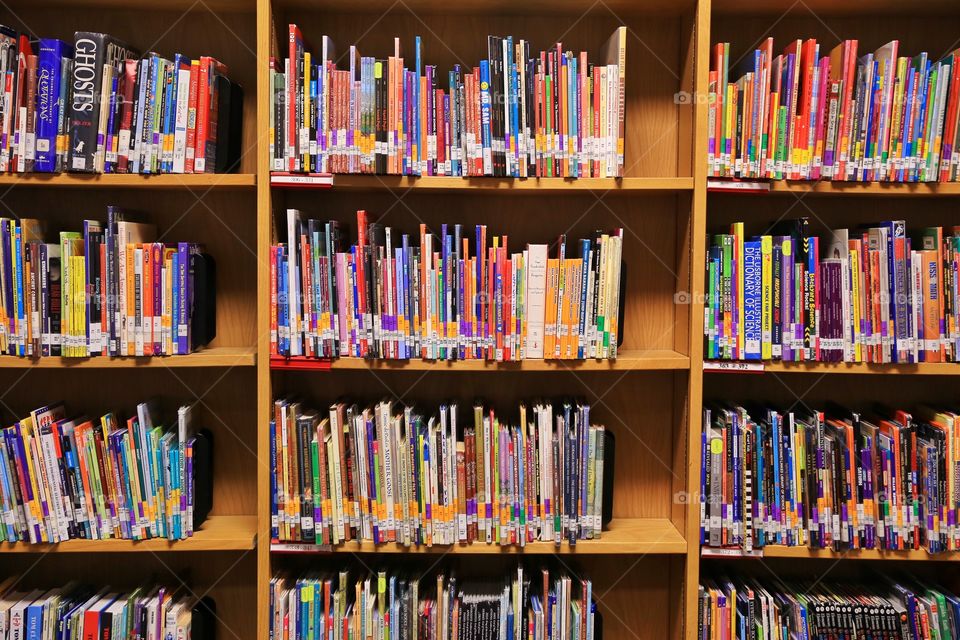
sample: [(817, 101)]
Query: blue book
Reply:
[(34, 620), (752, 292), (485, 132), (49, 101)]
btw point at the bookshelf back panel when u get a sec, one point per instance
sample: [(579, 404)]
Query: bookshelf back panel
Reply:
[(636, 407), (225, 406), (222, 221), (191, 29), (813, 390), (654, 62), (650, 255), (827, 213), (225, 577), (937, 35)]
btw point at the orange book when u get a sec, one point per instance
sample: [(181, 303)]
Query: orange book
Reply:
[(576, 286), (550, 315), (563, 330)]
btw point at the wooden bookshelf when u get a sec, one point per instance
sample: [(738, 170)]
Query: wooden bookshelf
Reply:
[(930, 26)]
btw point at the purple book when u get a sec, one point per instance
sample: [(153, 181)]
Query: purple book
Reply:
[(182, 287), (831, 310)]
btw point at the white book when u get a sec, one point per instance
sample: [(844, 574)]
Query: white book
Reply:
[(293, 275), (336, 429), (180, 123), (536, 298), (18, 615)]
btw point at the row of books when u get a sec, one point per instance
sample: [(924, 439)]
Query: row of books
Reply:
[(66, 476), (385, 297), (97, 105), (81, 611), (556, 114), (874, 294), (901, 608), (836, 479), (388, 473), (535, 604), (846, 115), (109, 290)]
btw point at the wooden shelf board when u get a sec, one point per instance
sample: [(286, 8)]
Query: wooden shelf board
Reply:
[(827, 8), (451, 184), (150, 5), (498, 7), (777, 551), (213, 357), (626, 361), (830, 188), (922, 368), (218, 533), (220, 182), (929, 189), (631, 536)]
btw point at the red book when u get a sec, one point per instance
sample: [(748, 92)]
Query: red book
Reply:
[(191, 144), (129, 83), (206, 105)]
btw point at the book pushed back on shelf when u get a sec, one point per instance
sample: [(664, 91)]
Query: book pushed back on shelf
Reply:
[(384, 297), (96, 105), (389, 474), (516, 114)]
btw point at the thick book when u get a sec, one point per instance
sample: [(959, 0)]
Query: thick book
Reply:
[(93, 52), (49, 101)]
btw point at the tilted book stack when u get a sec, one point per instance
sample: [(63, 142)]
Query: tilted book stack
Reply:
[(66, 476), (390, 474), (385, 297), (557, 114), (96, 105)]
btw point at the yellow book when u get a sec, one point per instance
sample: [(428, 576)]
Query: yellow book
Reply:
[(766, 297), (305, 132), (550, 313), (737, 230)]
